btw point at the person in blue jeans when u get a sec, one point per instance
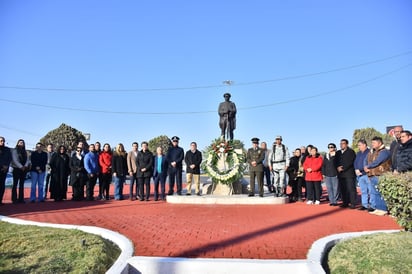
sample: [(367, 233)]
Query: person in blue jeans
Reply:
[(38, 160), (91, 165), (376, 164), (159, 174), (362, 177), (330, 175), (119, 170)]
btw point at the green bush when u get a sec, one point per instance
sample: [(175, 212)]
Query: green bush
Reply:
[(396, 189)]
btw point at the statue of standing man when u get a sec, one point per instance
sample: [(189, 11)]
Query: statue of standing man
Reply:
[(227, 114)]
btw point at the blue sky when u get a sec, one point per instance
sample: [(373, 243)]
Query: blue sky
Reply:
[(124, 71)]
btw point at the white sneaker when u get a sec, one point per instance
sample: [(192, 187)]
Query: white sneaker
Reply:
[(379, 212), (309, 202), (317, 202)]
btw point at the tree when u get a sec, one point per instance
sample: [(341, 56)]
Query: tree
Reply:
[(162, 141), (368, 134), (64, 135)]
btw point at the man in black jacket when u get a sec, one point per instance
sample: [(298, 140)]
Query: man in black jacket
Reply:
[(174, 158), (345, 158), (395, 145), (404, 154), (193, 159)]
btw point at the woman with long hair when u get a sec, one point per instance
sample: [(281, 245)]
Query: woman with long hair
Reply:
[(119, 169), (60, 170), (20, 163), (105, 178)]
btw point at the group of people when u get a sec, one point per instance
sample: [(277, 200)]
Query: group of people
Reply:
[(341, 170), (52, 171)]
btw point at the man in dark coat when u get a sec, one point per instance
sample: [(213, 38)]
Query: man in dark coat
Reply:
[(144, 172), (395, 146), (404, 154), (345, 158), (193, 159), (174, 157)]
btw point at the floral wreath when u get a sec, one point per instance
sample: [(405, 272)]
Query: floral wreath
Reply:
[(235, 162)]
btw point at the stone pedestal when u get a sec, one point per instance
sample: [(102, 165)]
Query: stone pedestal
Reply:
[(238, 187), (221, 189)]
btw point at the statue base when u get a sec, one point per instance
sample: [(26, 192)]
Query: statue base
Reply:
[(218, 189)]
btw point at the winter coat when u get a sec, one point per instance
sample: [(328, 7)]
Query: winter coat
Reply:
[(404, 157), (105, 162), (315, 163), (144, 160), (328, 166)]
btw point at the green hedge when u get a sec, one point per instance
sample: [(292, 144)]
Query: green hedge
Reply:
[(396, 189)]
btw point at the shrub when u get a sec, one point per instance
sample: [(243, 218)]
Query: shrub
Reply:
[(396, 189)]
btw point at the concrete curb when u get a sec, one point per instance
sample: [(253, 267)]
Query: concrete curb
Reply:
[(126, 246), (155, 265), (320, 247), (148, 265), (313, 263)]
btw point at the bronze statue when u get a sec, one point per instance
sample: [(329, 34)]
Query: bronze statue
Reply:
[(227, 114)]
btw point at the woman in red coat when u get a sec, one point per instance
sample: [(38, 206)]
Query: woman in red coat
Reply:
[(105, 163), (313, 176)]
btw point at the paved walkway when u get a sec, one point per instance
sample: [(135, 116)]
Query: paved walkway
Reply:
[(206, 231)]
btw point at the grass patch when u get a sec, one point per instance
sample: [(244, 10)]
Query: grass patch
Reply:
[(376, 253), (34, 249)]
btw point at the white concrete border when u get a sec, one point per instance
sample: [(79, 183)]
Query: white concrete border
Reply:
[(320, 247), (153, 265), (313, 263), (126, 246)]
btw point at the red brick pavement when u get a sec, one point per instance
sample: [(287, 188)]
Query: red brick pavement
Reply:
[(206, 231)]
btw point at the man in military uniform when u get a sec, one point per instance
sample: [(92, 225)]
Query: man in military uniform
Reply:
[(255, 157), (227, 114), (279, 162)]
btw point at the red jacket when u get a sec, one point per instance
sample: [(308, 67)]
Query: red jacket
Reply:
[(105, 162), (315, 163)]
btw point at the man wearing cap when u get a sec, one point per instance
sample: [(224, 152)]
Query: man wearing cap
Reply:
[(227, 113), (279, 163), (174, 157), (255, 157)]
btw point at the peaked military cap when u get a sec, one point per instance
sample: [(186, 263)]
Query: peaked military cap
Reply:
[(255, 140)]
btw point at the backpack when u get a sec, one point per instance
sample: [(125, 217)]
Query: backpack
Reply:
[(274, 152)]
